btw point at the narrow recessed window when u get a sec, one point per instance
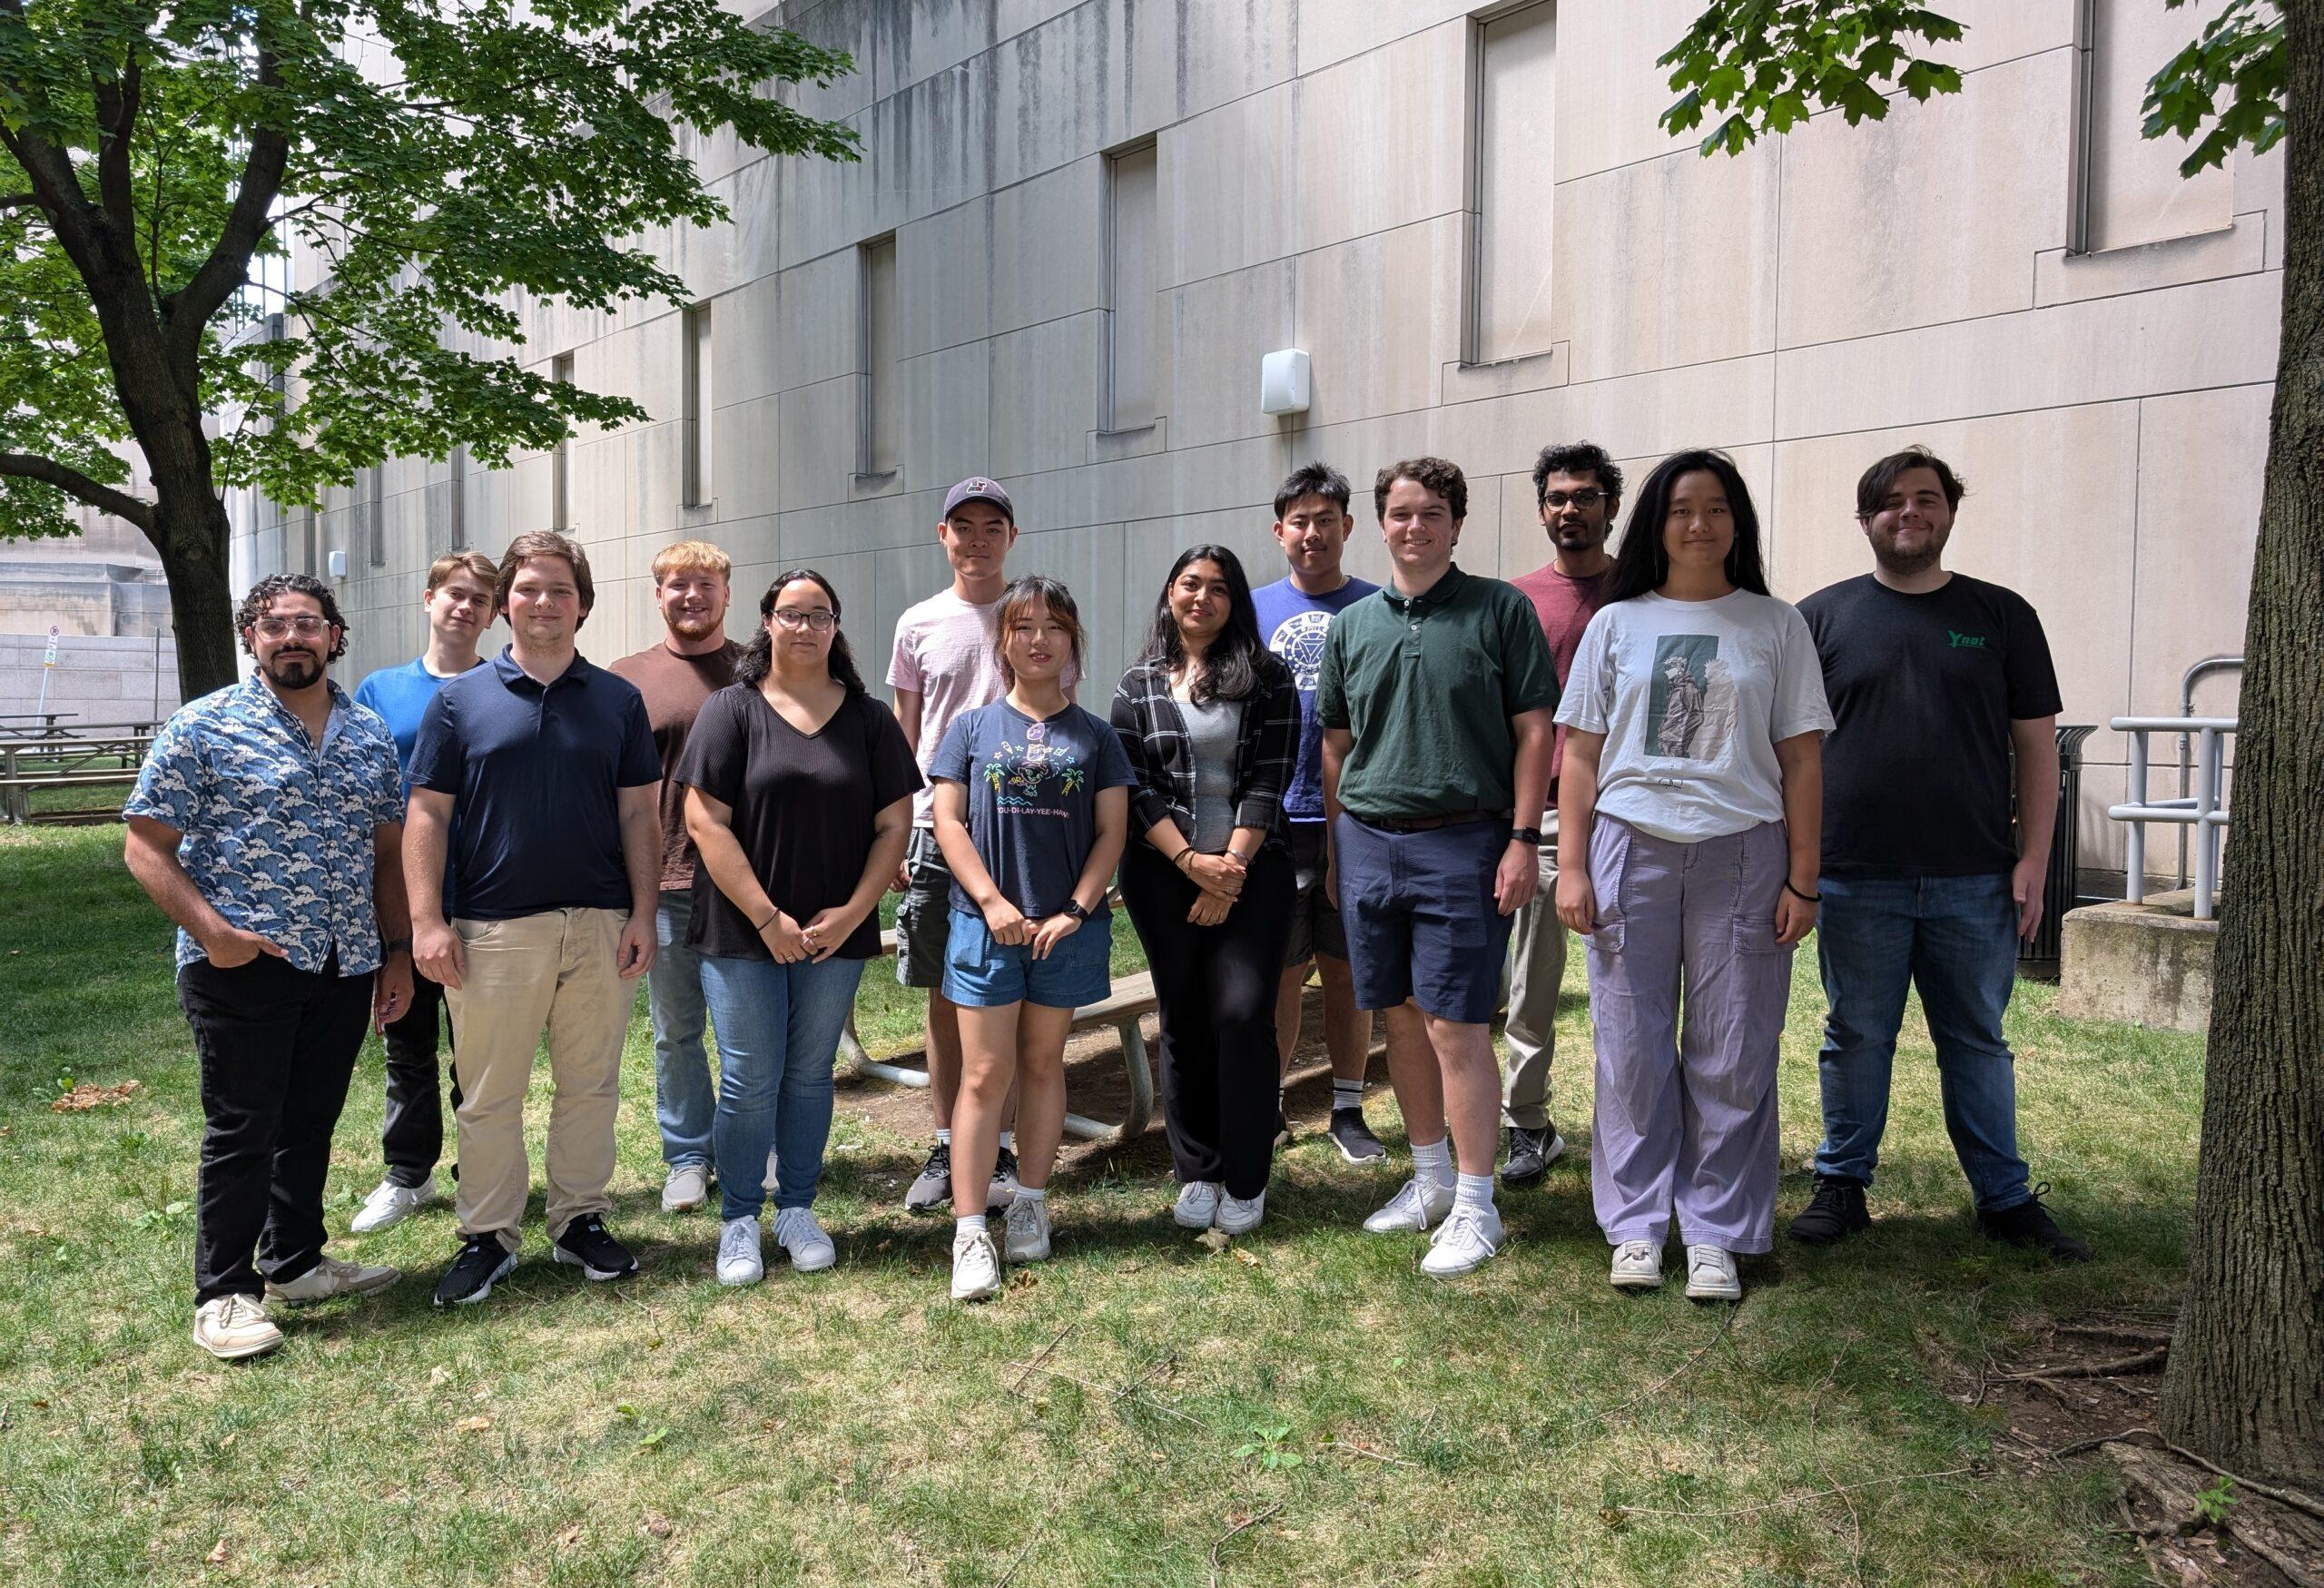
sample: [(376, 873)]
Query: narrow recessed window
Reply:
[(375, 513), (560, 487), (1132, 280), (1516, 96), (697, 332), (459, 497), (878, 450), (2128, 189)]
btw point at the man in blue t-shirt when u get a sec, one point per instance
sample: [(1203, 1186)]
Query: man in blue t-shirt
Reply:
[(1311, 524), (537, 775), (460, 606)]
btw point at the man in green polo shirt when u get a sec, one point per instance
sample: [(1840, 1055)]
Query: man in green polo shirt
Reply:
[(1436, 699)]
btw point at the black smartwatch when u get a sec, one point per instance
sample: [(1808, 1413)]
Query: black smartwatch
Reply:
[(1074, 911), (1531, 836)]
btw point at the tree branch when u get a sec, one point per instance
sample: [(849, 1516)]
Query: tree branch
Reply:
[(117, 117), (72, 482), (223, 274)]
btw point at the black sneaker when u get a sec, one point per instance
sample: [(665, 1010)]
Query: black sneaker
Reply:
[(1353, 1138), (1529, 1154), (587, 1247), (932, 1187), (2029, 1224), (1003, 1189), (1833, 1213), (483, 1262)]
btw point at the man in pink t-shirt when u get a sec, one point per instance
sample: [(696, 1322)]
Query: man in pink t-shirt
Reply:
[(945, 664), (1577, 487)]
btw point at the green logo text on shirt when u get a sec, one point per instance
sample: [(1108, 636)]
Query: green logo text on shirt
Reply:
[(1975, 642)]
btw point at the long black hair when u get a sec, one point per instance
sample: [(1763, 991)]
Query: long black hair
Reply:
[(1230, 666), (1640, 562), (758, 656)]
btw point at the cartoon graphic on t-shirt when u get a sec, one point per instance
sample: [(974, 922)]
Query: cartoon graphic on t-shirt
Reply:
[(1017, 773), (1691, 708), (1298, 639)]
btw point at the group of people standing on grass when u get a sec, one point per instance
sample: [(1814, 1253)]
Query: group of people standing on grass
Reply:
[(1379, 784)]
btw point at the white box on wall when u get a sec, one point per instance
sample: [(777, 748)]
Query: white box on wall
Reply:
[(1284, 381)]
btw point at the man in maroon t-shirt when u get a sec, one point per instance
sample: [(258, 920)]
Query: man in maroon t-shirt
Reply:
[(1577, 489), (693, 660)]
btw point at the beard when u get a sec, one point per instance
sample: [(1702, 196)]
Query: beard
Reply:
[(694, 625), (292, 672), (1907, 564)]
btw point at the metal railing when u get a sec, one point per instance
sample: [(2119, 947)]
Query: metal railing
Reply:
[(2204, 809)]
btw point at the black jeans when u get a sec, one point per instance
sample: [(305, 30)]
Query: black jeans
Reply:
[(277, 1046), (1214, 989), (413, 1139)]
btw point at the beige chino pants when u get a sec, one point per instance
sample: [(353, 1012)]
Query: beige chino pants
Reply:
[(1537, 968), (554, 971)]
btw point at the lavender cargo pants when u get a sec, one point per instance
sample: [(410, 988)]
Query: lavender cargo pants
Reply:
[(1686, 1121)]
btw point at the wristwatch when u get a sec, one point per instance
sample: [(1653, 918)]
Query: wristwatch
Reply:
[(1074, 911), (1531, 836)]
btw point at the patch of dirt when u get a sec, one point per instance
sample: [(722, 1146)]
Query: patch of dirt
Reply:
[(2080, 1380)]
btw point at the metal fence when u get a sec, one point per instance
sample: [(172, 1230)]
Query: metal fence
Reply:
[(2204, 810)]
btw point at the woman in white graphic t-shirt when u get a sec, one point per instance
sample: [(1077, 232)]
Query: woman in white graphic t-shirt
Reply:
[(1690, 799)]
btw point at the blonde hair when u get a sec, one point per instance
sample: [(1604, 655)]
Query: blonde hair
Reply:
[(692, 557), (486, 572)]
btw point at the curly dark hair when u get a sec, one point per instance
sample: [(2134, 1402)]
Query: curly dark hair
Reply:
[(1230, 669), (1577, 458), (757, 659), (1878, 480), (1642, 563), (255, 604), (1433, 475)]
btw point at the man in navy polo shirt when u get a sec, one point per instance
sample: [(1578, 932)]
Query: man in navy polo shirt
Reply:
[(550, 765)]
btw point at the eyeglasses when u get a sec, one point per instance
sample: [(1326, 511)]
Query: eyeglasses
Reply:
[(304, 627), (1580, 498), (816, 618)]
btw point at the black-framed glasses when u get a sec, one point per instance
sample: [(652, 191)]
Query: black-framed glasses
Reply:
[(816, 618), (1584, 499), (305, 627)]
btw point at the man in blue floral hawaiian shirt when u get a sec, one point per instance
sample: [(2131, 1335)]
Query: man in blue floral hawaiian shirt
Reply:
[(268, 823)]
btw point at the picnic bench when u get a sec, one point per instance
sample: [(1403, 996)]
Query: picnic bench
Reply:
[(68, 758), (1130, 1002)]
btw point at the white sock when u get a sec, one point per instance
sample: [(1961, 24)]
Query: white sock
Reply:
[(966, 1222), (1433, 1162), (1473, 1191), (1347, 1094), (1009, 1140), (944, 1137), (1033, 1194)]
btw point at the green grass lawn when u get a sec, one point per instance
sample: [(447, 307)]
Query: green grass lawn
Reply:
[(1112, 1418)]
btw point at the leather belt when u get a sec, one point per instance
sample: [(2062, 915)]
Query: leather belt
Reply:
[(1431, 823)]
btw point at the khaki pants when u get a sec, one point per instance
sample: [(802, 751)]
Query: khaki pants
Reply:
[(557, 970), (1537, 960)]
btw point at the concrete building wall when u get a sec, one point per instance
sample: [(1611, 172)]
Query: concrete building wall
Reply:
[(1398, 186)]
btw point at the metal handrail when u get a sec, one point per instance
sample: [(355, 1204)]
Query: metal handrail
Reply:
[(2204, 809), (2193, 676)]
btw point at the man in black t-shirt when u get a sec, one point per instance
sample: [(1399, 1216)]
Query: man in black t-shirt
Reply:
[(1938, 681)]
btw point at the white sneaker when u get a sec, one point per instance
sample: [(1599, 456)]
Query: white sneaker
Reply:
[(330, 1277), (1467, 1239), (1416, 1205), (1638, 1264), (797, 1233), (738, 1252), (234, 1326), (1711, 1276), (1197, 1205), (976, 1266), (687, 1189), (1027, 1240), (1238, 1217), (767, 1185), (390, 1204)]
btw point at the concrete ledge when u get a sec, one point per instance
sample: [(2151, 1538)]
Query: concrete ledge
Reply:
[(2148, 963)]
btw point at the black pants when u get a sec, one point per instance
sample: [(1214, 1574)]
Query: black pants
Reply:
[(1215, 989), (277, 1046), (413, 1139)]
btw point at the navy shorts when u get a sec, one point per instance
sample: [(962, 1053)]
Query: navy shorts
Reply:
[(1420, 917)]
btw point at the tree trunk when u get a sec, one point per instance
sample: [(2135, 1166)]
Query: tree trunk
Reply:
[(2246, 1381), (190, 532)]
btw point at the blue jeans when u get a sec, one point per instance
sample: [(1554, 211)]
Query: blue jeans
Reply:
[(684, 1095), (1956, 940), (778, 1030)]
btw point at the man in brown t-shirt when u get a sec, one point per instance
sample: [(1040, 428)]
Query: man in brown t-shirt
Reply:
[(695, 660)]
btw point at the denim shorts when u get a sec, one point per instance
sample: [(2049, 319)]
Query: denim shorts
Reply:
[(983, 974), (1421, 919)]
